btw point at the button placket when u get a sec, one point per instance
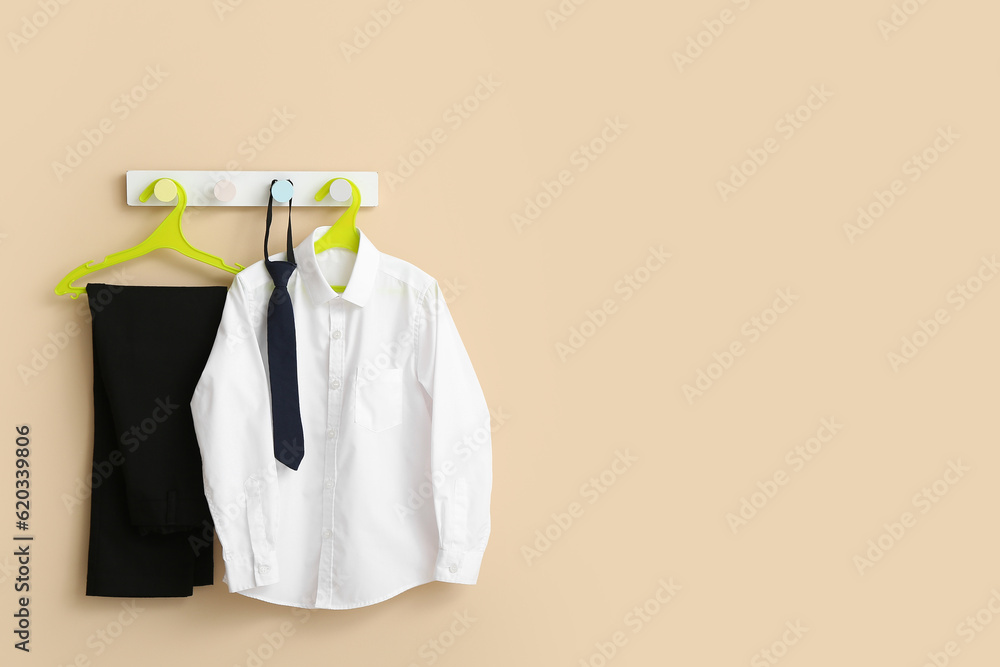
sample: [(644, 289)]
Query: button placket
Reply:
[(327, 574)]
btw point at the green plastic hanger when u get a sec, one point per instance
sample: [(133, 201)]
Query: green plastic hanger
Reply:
[(168, 234), (344, 233)]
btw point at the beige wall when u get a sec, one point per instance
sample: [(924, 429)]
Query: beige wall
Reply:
[(665, 133)]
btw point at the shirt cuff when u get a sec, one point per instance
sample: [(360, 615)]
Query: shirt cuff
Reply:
[(458, 567), (243, 573)]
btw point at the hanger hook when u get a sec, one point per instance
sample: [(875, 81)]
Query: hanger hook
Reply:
[(181, 194), (355, 193), (168, 234)]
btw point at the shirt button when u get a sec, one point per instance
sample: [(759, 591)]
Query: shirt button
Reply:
[(453, 569), (328, 483), (327, 532), (335, 383), (336, 334), (332, 433), (263, 569)]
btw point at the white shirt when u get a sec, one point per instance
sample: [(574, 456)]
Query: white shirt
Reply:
[(394, 488)]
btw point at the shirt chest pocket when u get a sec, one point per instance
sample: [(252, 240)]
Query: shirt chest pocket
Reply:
[(378, 400)]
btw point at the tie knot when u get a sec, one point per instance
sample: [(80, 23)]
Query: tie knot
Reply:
[(280, 272)]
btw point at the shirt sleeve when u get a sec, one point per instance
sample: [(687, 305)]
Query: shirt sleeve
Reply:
[(461, 447), (232, 418)]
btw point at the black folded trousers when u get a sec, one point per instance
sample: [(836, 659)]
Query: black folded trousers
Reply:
[(151, 533)]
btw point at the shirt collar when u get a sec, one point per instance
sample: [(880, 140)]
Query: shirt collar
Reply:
[(359, 285)]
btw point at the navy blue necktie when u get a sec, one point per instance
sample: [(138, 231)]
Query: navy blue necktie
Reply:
[(285, 416)]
